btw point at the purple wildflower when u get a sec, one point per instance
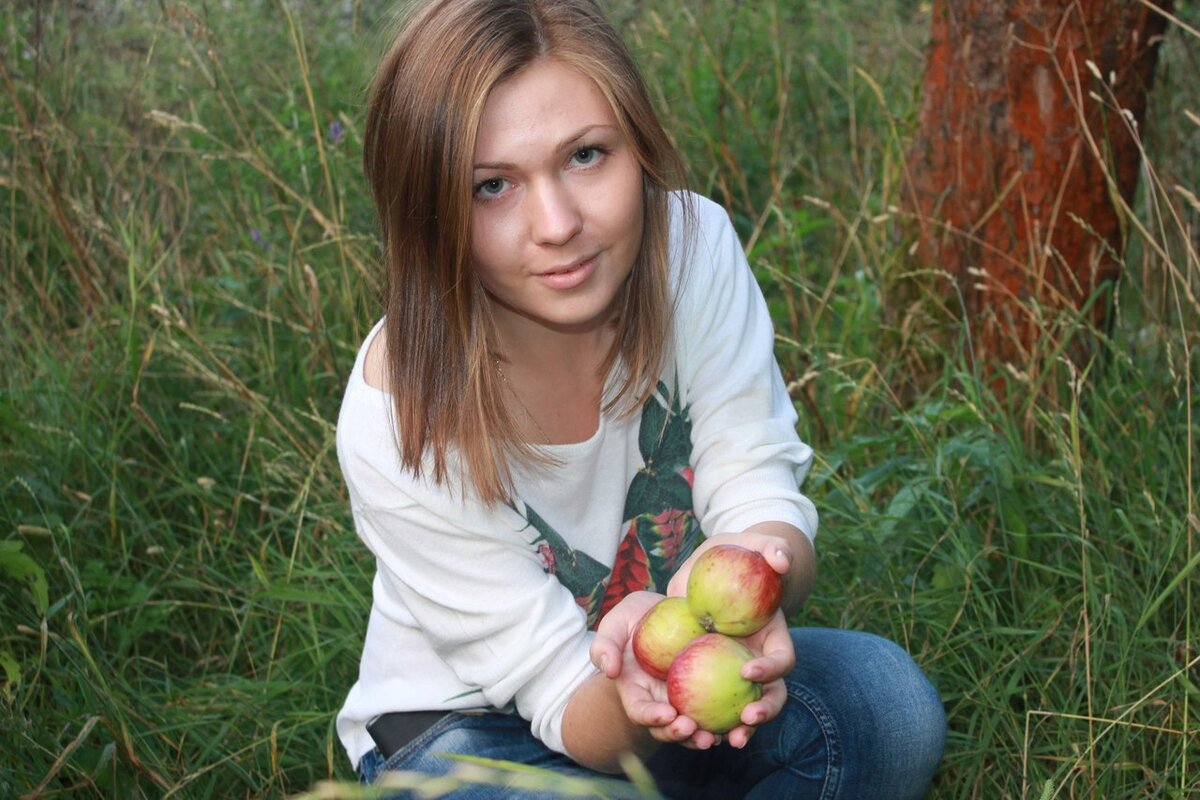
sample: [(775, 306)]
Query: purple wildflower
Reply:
[(336, 132), (257, 237)]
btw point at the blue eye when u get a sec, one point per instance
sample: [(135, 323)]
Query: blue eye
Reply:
[(586, 156), (492, 187)]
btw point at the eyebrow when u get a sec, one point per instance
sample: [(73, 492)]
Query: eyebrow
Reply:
[(563, 145)]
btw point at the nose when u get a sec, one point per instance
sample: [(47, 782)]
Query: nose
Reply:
[(555, 214)]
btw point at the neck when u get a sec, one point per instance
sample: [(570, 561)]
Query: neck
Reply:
[(568, 353), (555, 380)]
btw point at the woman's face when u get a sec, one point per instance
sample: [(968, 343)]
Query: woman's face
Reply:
[(556, 212)]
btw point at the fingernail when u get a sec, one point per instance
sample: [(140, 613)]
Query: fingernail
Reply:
[(604, 663)]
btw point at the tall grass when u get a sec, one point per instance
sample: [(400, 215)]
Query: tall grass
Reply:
[(188, 265)]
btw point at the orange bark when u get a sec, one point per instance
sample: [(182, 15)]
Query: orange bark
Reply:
[(1019, 147)]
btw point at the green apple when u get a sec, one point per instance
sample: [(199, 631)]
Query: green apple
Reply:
[(705, 682), (733, 590), (662, 633)]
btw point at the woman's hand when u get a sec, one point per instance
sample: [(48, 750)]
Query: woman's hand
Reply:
[(778, 657), (775, 549), (786, 549), (789, 552), (644, 697)]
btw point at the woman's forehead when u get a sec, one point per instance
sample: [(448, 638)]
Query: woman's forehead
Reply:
[(546, 106)]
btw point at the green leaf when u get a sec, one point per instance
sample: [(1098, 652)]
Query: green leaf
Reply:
[(575, 569), (653, 426), (22, 568), (1191, 566), (652, 494), (12, 672), (901, 505)]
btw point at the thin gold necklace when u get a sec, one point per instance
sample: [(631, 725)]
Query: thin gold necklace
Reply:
[(511, 390)]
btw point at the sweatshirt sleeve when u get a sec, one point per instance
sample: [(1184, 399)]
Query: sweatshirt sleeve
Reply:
[(465, 575), (747, 457)]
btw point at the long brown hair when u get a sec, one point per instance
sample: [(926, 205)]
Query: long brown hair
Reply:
[(424, 109)]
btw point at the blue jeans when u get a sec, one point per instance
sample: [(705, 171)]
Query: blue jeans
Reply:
[(861, 722)]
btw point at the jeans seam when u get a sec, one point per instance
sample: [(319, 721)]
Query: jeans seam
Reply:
[(833, 744)]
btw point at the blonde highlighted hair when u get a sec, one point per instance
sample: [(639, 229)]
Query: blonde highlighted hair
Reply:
[(423, 115)]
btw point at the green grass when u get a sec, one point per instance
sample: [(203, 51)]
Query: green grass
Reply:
[(189, 262)]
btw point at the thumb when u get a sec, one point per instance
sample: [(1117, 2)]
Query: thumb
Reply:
[(605, 656)]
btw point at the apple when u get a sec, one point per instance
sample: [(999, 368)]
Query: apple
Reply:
[(662, 633), (705, 682), (733, 590)]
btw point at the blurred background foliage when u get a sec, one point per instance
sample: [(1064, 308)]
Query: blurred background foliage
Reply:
[(189, 263)]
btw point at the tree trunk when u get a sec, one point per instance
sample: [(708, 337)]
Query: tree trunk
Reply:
[(1024, 140)]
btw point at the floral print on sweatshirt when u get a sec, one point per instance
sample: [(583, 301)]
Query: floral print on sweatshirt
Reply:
[(660, 528)]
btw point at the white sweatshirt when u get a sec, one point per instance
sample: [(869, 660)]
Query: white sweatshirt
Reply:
[(493, 607)]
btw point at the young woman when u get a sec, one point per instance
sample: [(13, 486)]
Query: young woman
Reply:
[(571, 395)]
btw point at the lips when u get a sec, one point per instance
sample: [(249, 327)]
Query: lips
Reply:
[(570, 275), (574, 265)]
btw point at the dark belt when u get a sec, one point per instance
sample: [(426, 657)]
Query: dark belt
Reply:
[(392, 731)]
